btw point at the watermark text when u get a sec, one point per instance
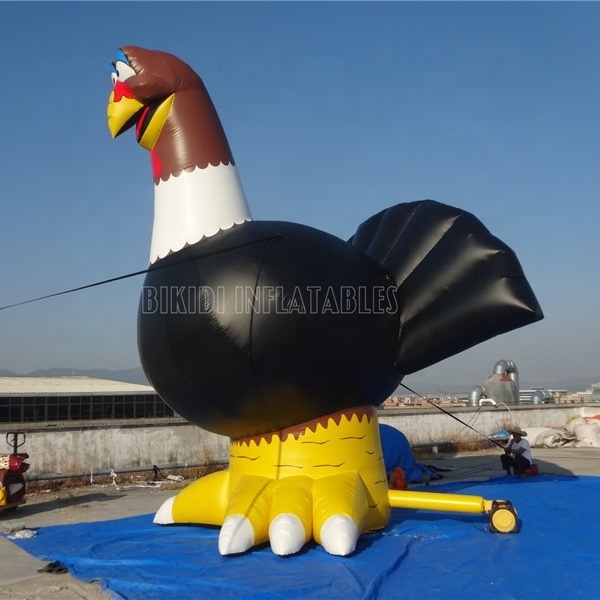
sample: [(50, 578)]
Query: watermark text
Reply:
[(267, 299)]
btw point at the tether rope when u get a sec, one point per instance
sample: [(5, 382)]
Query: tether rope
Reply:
[(453, 416), (76, 289), (153, 267)]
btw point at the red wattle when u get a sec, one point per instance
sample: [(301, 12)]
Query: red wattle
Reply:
[(140, 122), (156, 164)]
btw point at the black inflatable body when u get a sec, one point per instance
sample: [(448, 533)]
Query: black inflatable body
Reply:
[(270, 324)]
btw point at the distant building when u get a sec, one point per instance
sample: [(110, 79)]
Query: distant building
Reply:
[(539, 395), (29, 399), (428, 401)]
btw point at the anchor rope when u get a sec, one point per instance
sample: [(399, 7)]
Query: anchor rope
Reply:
[(451, 415)]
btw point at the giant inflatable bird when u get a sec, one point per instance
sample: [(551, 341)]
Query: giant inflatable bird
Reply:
[(286, 338)]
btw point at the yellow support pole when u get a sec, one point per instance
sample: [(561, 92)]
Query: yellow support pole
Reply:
[(503, 516), (437, 501)]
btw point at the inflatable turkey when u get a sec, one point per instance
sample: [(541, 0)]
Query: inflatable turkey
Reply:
[(285, 338)]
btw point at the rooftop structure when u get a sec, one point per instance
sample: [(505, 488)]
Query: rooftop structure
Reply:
[(66, 385), (64, 398)]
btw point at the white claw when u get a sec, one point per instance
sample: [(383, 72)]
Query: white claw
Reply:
[(339, 535), (164, 515), (286, 534), (236, 535)]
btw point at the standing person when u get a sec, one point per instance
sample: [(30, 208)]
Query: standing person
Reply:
[(517, 453)]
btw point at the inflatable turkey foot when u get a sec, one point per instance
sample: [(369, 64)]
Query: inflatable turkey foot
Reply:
[(324, 480)]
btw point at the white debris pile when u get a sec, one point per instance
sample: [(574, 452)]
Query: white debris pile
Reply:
[(578, 432), (586, 430)]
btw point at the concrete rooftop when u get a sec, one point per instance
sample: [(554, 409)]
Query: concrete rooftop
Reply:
[(19, 576)]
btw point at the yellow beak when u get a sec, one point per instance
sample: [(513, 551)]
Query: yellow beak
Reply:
[(122, 114), (127, 111)]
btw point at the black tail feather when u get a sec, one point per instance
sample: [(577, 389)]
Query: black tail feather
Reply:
[(458, 285)]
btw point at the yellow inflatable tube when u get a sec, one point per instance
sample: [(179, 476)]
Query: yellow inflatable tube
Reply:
[(439, 502)]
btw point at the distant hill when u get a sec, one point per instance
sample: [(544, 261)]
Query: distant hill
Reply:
[(136, 375), (573, 384)]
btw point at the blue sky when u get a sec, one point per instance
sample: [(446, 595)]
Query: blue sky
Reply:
[(334, 111)]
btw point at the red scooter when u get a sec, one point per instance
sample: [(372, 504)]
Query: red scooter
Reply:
[(12, 467)]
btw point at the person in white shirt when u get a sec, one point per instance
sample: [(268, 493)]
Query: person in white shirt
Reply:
[(517, 454)]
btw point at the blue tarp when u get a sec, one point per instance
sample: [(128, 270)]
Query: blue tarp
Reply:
[(419, 555), (398, 453)]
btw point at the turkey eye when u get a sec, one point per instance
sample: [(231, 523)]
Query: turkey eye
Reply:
[(122, 71)]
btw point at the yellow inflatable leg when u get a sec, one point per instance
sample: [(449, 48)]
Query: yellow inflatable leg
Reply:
[(203, 501)]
